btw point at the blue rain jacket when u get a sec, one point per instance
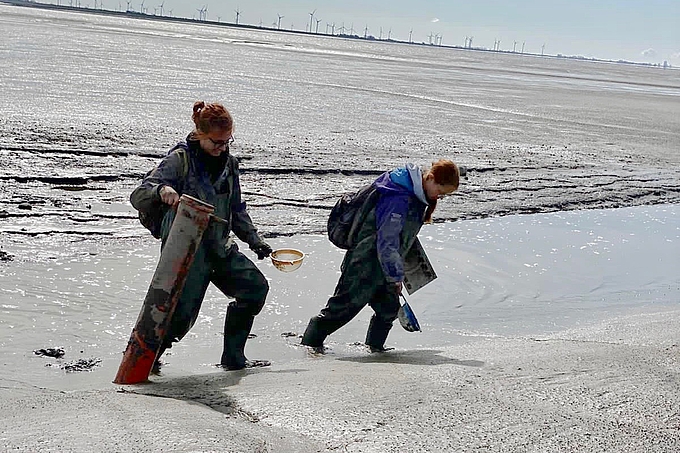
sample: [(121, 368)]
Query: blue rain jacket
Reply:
[(398, 217)]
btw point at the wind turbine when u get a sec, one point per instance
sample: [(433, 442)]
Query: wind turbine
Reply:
[(141, 7), (410, 36), (542, 49), (366, 31), (238, 14), (161, 7), (523, 42), (202, 12), (311, 20), (278, 24), (317, 26)]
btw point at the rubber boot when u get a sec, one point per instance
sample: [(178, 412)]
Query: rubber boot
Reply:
[(314, 335), (237, 325), (377, 333)]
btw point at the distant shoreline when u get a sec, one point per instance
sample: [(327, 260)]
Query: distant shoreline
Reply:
[(144, 16)]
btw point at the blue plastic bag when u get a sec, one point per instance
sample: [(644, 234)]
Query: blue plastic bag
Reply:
[(407, 318)]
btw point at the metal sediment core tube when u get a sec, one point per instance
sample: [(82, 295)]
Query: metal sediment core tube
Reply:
[(191, 221)]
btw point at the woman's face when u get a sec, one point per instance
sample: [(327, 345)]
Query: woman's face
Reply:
[(216, 142), (434, 191)]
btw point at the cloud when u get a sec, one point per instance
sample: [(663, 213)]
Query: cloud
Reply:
[(435, 20), (649, 53)]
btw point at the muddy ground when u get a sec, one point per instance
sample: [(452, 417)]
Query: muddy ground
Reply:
[(84, 192)]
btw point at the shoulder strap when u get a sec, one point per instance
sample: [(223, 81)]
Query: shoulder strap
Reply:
[(185, 160), (371, 194)]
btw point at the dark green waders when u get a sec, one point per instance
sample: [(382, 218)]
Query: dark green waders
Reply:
[(360, 284), (235, 276)]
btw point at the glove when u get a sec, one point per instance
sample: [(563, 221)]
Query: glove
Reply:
[(262, 250)]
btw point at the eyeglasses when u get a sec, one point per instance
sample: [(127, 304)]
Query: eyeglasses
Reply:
[(222, 143)]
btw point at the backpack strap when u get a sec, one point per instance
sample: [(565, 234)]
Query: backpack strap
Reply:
[(185, 161), (370, 195)]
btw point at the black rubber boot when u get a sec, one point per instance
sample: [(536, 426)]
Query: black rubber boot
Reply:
[(376, 336), (237, 325), (314, 335)]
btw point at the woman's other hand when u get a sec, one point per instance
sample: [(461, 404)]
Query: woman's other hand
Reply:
[(169, 195)]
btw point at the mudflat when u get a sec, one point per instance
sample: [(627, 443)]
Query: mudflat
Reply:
[(612, 387)]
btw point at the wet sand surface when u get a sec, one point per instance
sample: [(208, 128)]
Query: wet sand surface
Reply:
[(612, 387), (544, 332)]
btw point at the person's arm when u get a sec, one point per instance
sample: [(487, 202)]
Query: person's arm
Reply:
[(390, 215), (169, 172), (241, 223)]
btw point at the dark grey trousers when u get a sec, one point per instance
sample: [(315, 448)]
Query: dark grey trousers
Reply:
[(358, 286)]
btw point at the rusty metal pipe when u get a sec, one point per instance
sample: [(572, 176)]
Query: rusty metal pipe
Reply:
[(191, 221)]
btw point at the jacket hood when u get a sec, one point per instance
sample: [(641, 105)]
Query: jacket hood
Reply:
[(407, 179)]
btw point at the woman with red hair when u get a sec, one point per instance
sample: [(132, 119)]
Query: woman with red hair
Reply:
[(203, 168), (373, 268)]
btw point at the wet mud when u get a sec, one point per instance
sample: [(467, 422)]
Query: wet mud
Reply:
[(71, 366), (536, 135), (86, 193)]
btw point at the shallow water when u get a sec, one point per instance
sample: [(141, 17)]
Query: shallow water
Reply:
[(529, 275)]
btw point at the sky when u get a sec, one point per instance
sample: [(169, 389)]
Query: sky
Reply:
[(633, 30)]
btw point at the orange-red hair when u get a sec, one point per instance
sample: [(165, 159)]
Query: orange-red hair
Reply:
[(211, 117), (445, 173)]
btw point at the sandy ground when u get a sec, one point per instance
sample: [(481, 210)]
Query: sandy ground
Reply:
[(613, 387)]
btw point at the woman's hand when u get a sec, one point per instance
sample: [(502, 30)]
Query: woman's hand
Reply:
[(169, 195), (262, 250)]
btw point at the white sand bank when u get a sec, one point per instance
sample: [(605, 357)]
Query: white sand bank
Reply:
[(609, 388)]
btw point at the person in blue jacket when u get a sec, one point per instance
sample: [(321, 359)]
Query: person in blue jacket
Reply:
[(372, 272), (203, 168)]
